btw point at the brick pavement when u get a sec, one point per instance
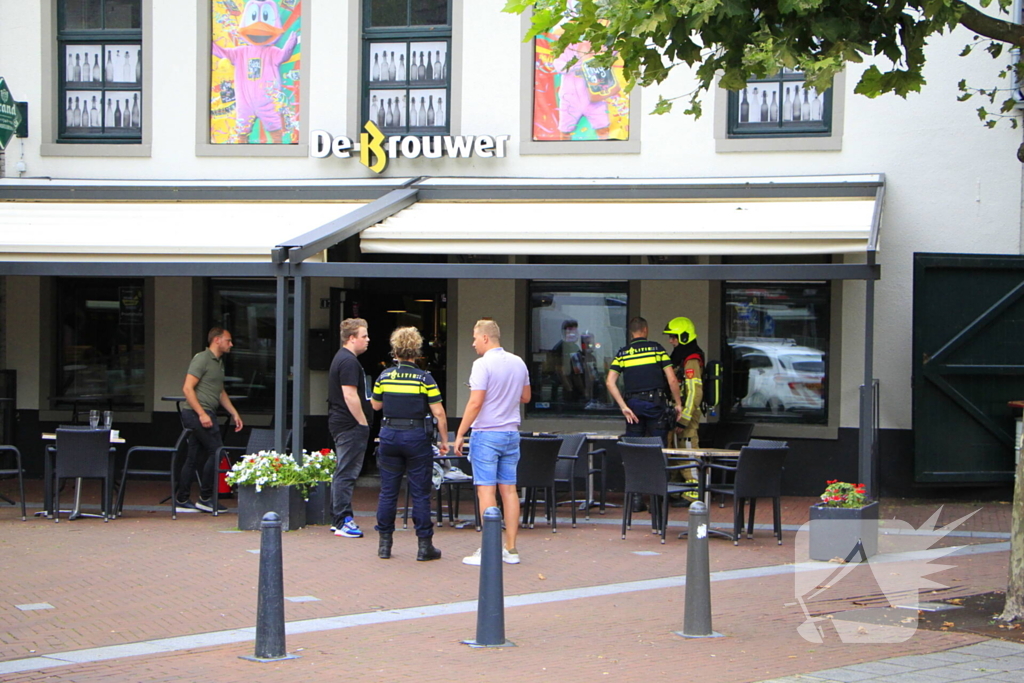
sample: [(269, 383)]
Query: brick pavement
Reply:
[(145, 576)]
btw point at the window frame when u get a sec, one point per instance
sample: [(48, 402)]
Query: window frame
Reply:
[(105, 38), (726, 142), (793, 130), (528, 146), (368, 35), (54, 144)]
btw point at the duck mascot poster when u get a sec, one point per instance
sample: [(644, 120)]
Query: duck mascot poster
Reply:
[(254, 93)]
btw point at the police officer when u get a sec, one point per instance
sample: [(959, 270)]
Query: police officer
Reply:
[(688, 362), (648, 377), (407, 396)]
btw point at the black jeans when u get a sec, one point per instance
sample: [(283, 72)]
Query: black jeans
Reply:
[(350, 449), (201, 458), (404, 450)]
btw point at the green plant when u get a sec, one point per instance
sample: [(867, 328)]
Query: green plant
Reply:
[(840, 494), (269, 468)]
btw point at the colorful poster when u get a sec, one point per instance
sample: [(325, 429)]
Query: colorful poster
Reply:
[(577, 100), (254, 84)]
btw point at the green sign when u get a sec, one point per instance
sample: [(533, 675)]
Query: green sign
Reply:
[(10, 115)]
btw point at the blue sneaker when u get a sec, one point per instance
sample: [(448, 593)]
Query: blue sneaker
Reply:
[(349, 529)]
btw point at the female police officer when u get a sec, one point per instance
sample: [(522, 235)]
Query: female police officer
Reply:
[(407, 394)]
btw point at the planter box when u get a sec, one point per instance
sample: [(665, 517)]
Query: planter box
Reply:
[(835, 531), (319, 508), (286, 501)]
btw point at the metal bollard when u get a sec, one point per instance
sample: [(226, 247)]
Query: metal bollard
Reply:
[(490, 610), (697, 610), (270, 645)]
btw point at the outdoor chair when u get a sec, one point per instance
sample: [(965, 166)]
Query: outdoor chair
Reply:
[(452, 484), (758, 474), (647, 471), (18, 470), (573, 463), (259, 440), (172, 455), (84, 454), (538, 459)]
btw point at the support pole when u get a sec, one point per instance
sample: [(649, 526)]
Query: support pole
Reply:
[(697, 610), (490, 611), (867, 470), (270, 640), (281, 365), (299, 365)]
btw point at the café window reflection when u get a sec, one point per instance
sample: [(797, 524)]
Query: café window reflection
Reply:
[(575, 331), (101, 344), (776, 352)]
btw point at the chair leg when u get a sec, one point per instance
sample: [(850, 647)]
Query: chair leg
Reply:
[(737, 519), (777, 517), (56, 500), (626, 511), (572, 498), (750, 523), (119, 510), (663, 504), (552, 510)]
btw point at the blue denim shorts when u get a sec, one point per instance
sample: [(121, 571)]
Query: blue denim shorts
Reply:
[(495, 456)]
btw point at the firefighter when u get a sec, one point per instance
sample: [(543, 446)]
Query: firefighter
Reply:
[(688, 362)]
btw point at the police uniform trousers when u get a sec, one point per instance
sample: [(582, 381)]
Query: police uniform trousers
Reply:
[(651, 416), (401, 451)]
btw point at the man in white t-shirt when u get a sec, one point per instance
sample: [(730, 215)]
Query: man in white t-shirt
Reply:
[(498, 385)]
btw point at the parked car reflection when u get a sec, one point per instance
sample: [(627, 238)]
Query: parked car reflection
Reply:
[(778, 376)]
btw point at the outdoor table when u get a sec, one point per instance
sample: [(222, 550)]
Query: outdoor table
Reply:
[(702, 457), (49, 465), (86, 399)]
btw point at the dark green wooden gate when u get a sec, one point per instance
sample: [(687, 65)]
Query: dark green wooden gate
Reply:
[(968, 362)]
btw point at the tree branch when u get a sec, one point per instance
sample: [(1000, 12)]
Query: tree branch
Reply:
[(990, 27)]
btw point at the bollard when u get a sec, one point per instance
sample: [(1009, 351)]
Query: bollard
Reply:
[(270, 645), (697, 610), (490, 609)]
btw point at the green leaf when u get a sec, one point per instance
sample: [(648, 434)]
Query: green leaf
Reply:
[(663, 106)]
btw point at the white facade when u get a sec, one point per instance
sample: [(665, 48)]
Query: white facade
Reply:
[(951, 184)]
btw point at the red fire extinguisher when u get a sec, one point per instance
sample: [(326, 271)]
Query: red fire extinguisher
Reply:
[(223, 487)]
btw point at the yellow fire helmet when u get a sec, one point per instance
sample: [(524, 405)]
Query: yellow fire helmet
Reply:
[(683, 328)]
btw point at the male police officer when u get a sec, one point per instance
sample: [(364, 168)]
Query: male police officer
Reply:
[(646, 373)]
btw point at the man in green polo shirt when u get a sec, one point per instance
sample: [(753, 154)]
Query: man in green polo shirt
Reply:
[(204, 391)]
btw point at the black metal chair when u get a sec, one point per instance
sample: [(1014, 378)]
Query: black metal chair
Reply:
[(538, 459), (259, 440), (84, 454), (647, 471), (18, 470), (173, 454), (572, 464), (758, 474)]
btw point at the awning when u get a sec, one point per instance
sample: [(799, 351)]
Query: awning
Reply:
[(756, 216), (156, 231)]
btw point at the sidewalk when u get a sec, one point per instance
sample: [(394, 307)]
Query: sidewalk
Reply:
[(178, 601)]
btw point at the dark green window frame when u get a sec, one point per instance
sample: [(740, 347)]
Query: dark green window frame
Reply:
[(403, 117), (108, 88), (749, 122)]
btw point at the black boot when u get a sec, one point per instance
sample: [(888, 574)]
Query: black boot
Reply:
[(427, 550), (384, 549)]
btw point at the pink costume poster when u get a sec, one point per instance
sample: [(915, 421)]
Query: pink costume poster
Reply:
[(254, 84), (578, 102)]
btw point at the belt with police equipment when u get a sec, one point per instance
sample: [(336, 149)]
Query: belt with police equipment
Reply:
[(650, 394), (403, 422)]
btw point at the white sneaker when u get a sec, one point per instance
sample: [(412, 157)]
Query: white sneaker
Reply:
[(509, 556), (473, 559)]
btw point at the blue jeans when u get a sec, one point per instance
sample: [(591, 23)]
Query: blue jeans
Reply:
[(403, 450), (651, 416), (201, 458), (495, 457), (349, 449)]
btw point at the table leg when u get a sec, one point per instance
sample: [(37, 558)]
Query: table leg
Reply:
[(702, 495)]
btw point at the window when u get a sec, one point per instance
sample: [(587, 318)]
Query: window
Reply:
[(776, 352), (575, 331), (99, 45), (248, 309), (778, 106), (101, 341), (406, 70), (255, 76)]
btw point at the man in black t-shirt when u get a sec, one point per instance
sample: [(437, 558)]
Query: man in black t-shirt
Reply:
[(348, 407)]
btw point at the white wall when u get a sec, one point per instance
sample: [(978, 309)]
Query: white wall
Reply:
[(172, 342), (478, 299), (22, 328)]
